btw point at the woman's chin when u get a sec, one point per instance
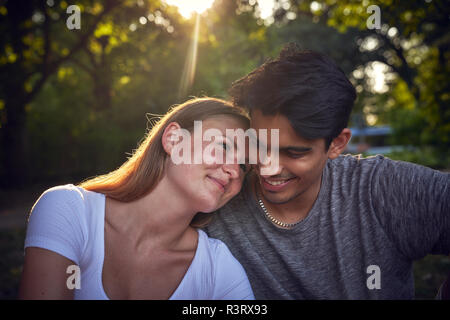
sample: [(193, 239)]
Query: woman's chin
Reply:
[(209, 205), (210, 208)]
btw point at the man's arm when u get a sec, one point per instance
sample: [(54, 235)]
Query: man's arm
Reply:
[(412, 203)]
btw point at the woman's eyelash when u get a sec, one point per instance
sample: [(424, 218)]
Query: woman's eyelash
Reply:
[(243, 167)]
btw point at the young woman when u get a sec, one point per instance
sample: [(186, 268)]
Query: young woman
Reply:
[(131, 234)]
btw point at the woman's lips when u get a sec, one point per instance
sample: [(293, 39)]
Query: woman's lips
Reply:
[(275, 185), (218, 183)]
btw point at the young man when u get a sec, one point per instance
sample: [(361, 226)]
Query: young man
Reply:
[(324, 225)]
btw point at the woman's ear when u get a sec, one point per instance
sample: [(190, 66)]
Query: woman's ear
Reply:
[(339, 143), (170, 137)]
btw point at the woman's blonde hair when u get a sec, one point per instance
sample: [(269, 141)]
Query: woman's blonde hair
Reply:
[(144, 169)]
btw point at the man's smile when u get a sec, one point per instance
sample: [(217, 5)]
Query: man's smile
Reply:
[(275, 185)]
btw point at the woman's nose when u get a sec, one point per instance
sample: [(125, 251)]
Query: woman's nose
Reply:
[(232, 170)]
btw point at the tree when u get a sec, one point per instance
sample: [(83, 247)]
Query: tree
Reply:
[(413, 41), (130, 56), (33, 50)]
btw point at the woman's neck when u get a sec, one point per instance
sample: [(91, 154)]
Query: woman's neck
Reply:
[(160, 218)]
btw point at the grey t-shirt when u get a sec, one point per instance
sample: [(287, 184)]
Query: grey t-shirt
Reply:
[(372, 218)]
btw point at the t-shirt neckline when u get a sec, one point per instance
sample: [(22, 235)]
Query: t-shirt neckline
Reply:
[(200, 235)]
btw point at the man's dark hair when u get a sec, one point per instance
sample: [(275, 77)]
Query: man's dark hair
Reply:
[(306, 87)]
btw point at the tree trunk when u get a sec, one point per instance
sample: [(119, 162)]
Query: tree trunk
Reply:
[(14, 162)]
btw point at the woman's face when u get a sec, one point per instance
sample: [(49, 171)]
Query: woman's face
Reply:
[(212, 176)]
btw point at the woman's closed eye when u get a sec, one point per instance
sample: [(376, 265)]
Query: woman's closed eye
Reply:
[(227, 147)]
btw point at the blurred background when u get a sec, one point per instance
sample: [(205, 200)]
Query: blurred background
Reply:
[(78, 80)]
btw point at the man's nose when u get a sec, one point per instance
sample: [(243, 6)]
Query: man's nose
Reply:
[(269, 167)]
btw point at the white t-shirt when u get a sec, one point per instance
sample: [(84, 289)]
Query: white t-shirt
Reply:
[(70, 221)]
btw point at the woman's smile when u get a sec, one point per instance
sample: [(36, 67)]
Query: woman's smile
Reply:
[(221, 184)]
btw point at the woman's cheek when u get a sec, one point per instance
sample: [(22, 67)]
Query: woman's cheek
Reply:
[(213, 154), (236, 186)]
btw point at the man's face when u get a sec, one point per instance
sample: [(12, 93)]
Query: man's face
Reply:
[(301, 162)]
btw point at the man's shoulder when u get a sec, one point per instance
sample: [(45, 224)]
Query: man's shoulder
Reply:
[(236, 204), (233, 213), (357, 164), (383, 165), (356, 172), (350, 167), (352, 160)]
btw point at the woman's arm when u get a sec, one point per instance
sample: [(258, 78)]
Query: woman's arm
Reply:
[(44, 275)]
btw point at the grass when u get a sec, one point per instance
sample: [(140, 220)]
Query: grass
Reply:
[(11, 253), (429, 274)]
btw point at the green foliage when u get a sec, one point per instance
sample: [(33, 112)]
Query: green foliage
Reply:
[(414, 42), (89, 98), (426, 156), (429, 274)]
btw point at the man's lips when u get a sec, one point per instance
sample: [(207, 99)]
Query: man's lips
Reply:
[(275, 185)]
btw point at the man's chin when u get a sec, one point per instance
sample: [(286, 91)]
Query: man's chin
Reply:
[(279, 197)]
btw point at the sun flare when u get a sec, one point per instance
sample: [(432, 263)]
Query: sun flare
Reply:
[(188, 7)]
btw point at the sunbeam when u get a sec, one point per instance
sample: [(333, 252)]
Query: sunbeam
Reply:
[(187, 77), (188, 7)]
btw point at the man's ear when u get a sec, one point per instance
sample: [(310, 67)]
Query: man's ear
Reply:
[(170, 137), (339, 143)]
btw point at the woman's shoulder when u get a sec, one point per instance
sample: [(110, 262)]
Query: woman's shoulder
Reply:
[(63, 191), (212, 244), (217, 250), (230, 279), (65, 194), (58, 196), (64, 201), (58, 221)]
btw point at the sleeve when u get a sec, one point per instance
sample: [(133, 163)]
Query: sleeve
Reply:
[(231, 282), (412, 203), (55, 223)]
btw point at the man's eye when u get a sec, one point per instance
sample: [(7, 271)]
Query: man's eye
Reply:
[(295, 155)]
